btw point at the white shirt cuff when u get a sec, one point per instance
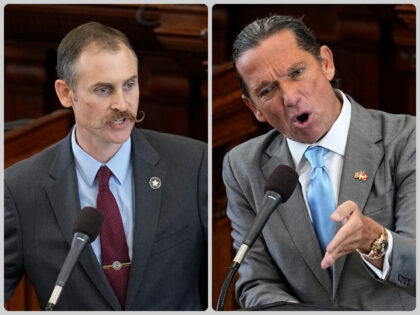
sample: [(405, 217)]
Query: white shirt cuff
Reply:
[(381, 274)]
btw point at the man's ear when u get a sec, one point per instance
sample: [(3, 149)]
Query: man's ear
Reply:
[(327, 62), (64, 93), (260, 117)]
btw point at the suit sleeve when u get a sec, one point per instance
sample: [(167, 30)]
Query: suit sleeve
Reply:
[(13, 258), (403, 258), (260, 280), (402, 161)]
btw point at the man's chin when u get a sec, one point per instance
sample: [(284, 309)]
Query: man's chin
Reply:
[(121, 136), (305, 138), (309, 135)]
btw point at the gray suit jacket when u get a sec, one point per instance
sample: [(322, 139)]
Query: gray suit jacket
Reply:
[(284, 264), (170, 230)]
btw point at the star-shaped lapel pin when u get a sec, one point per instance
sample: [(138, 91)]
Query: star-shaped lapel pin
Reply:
[(155, 182)]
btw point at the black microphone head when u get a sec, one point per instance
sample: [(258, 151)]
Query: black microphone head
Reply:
[(283, 181), (88, 222)]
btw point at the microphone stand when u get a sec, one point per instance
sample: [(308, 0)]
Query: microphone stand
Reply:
[(80, 240), (233, 268), (279, 186), (271, 200)]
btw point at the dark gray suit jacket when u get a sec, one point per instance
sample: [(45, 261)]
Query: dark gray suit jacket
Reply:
[(170, 230), (284, 264)]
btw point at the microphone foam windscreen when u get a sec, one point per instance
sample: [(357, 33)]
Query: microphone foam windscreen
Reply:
[(283, 181), (88, 222)]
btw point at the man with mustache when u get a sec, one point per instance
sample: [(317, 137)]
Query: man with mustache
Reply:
[(346, 236), (151, 188)]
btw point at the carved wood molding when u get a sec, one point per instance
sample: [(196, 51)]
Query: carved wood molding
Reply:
[(42, 133), (404, 37), (181, 26), (407, 13)]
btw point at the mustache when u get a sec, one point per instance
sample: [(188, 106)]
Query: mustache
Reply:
[(117, 114)]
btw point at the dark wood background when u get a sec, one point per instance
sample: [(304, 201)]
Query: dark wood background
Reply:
[(171, 44), (374, 54)]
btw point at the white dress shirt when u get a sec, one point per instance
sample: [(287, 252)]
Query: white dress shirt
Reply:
[(335, 141)]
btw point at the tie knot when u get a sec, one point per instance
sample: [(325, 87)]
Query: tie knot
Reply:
[(315, 156), (104, 173)]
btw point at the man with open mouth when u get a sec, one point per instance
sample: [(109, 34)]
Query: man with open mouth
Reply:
[(346, 236)]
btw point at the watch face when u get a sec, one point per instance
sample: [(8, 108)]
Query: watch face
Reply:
[(382, 247)]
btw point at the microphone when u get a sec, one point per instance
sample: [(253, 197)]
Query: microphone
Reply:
[(85, 229), (278, 188)]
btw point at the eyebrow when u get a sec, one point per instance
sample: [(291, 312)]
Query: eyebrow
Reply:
[(133, 77)]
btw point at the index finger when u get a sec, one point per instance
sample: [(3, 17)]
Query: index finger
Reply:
[(339, 238), (343, 211)]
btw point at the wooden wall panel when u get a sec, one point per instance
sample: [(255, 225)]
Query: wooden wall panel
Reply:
[(30, 139)]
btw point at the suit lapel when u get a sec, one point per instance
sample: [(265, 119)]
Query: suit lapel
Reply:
[(146, 164), (362, 154), (64, 199), (295, 215)]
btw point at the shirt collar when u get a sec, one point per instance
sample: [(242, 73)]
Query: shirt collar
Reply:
[(335, 140), (88, 166)]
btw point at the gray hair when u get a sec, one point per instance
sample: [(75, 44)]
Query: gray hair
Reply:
[(254, 33), (79, 38)]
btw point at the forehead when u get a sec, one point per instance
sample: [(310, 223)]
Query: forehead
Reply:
[(273, 57), (104, 63)]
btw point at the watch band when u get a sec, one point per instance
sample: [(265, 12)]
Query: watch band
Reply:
[(378, 248)]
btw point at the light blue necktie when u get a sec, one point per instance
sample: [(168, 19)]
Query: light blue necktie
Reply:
[(320, 196)]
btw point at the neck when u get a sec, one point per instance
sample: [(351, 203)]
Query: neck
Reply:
[(103, 155), (339, 97), (99, 151)]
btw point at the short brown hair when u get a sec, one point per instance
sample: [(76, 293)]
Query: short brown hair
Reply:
[(78, 39)]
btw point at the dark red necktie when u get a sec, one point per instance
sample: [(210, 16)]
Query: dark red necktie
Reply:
[(114, 250)]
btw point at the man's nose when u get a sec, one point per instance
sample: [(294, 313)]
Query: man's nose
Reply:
[(290, 94), (119, 101)]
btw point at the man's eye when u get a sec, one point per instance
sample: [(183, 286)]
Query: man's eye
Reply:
[(296, 73), (102, 90), (266, 91), (129, 85)]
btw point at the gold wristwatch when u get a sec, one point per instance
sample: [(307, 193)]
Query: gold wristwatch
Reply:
[(379, 247)]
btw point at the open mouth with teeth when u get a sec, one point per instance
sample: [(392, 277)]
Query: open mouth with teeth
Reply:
[(118, 121), (302, 118)]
